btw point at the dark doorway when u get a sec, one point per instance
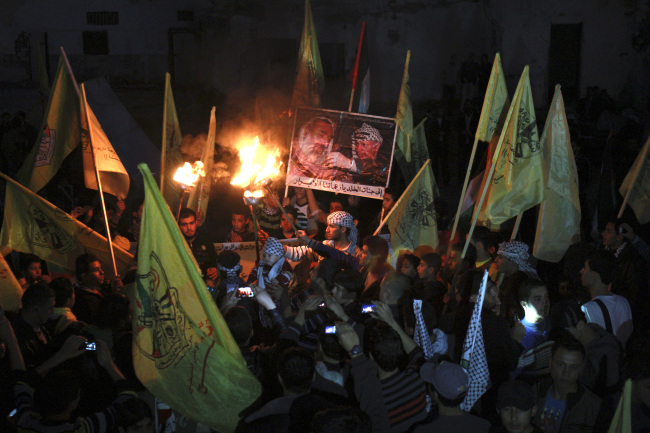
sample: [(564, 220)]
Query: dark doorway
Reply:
[(564, 61)]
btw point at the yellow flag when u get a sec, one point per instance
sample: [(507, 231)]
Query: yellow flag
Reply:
[(33, 225), (309, 71), (200, 194), (183, 351), (60, 132), (404, 116), (638, 180), (171, 158), (495, 103), (113, 176), (10, 290), (559, 214), (622, 421), (517, 183), (412, 221)]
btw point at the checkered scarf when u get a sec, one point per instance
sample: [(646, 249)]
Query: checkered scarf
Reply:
[(232, 274), (518, 253), (423, 339), (473, 359), (344, 219), (272, 246), (366, 132)]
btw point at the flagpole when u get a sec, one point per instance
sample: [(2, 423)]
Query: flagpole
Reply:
[(67, 64), (381, 225), (356, 66), (163, 152), (97, 177), (462, 196), (636, 176), (516, 229)]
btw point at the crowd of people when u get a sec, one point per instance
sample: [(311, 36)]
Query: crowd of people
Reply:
[(343, 337)]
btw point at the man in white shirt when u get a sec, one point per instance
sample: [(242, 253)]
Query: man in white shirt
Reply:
[(610, 311)]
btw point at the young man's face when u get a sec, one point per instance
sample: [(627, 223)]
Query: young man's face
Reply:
[(408, 269), (364, 260), (505, 265), (425, 272), (610, 237), (335, 206), (33, 273), (45, 310), (239, 223), (284, 223), (388, 202), (270, 258), (492, 301), (300, 193), (333, 232), (95, 275), (538, 301), (188, 226), (586, 275), (566, 367), (516, 420)]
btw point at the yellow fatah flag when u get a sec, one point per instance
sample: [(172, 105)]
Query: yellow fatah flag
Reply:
[(33, 225), (404, 116), (495, 103), (622, 421), (98, 150), (10, 290), (559, 214), (171, 158), (60, 132), (638, 180), (518, 182), (309, 71), (412, 221), (183, 352), (200, 194)]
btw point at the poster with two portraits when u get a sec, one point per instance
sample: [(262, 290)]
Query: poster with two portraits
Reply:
[(341, 152)]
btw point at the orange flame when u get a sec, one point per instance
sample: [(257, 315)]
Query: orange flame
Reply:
[(257, 164), (256, 194), (189, 174)]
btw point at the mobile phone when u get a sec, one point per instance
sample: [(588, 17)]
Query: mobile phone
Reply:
[(322, 305), (245, 292), (330, 329), (91, 345), (367, 308)]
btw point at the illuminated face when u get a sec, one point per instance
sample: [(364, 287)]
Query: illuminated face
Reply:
[(516, 420), (388, 202), (95, 275), (270, 258), (367, 149), (239, 223), (538, 301), (333, 232), (188, 226), (335, 206), (300, 193), (566, 366), (408, 269), (284, 223), (364, 260), (319, 136), (33, 273), (610, 237)]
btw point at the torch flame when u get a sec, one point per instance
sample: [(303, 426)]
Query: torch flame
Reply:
[(257, 164), (255, 194), (188, 174)]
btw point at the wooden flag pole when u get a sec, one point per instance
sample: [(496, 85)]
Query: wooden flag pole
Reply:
[(67, 64), (97, 177), (381, 225), (462, 196), (516, 229), (636, 176), (356, 66), (163, 151)]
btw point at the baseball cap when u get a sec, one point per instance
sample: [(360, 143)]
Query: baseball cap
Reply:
[(516, 394), (450, 380)]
